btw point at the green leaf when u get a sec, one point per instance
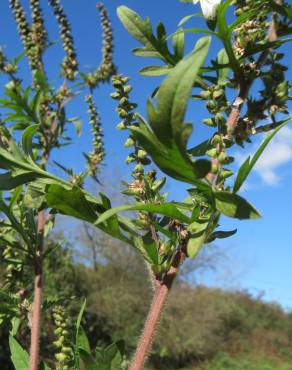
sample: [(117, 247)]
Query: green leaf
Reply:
[(201, 149), (167, 118), (89, 361), (262, 47), (232, 205), (221, 235), (166, 209), (82, 340), (248, 165), (166, 144), (178, 42), (9, 182), (155, 70), (34, 195), (195, 244), (224, 34), (27, 138), (188, 17), (80, 315), (19, 356), (113, 355), (71, 202), (141, 30), (222, 73)]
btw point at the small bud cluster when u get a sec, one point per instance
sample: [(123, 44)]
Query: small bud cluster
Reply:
[(220, 142), (125, 111), (39, 33), (98, 153), (145, 186), (218, 106), (216, 103), (13, 269), (24, 30), (64, 356), (276, 88), (69, 64), (6, 67), (107, 68), (254, 29)]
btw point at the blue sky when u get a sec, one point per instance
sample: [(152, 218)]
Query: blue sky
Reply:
[(260, 255)]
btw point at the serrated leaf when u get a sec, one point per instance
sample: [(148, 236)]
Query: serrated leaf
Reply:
[(249, 163), (141, 30), (232, 205), (71, 202)]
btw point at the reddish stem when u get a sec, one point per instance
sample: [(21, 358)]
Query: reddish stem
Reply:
[(160, 295), (37, 301)]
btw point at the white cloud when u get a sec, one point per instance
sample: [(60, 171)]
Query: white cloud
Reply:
[(277, 154)]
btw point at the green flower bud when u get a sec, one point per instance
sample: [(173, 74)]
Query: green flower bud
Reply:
[(217, 139), (209, 122), (224, 174), (115, 95), (141, 154), (61, 357), (121, 126), (212, 153), (129, 142), (130, 159)]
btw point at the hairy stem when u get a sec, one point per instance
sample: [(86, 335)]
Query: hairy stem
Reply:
[(37, 301), (160, 296)]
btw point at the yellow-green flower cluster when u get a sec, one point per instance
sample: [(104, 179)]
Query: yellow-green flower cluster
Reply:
[(64, 356), (254, 28), (24, 30), (125, 111), (39, 33), (106, 68), (5, 66), (13, 268), (69, 64), (98, 153)]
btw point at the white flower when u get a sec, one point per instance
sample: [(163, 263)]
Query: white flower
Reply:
[(209, 8)]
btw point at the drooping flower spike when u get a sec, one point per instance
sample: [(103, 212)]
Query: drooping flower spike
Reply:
[(209, 8)]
